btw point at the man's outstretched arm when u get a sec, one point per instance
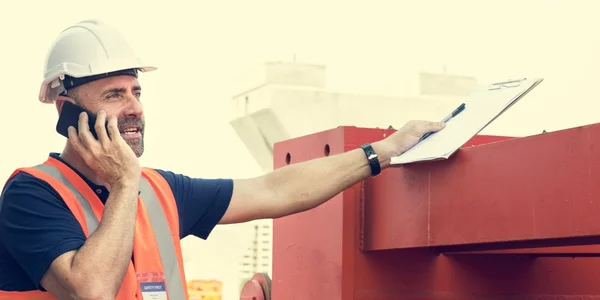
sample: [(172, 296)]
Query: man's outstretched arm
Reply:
[(303, 186)]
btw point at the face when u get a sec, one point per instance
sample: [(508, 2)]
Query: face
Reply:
[(118, 96)]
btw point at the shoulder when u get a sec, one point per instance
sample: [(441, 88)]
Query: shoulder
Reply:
[(24, 179), (29, 197), (24, 187)]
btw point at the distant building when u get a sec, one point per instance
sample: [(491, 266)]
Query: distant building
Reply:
[(277, 101), (257, 258)]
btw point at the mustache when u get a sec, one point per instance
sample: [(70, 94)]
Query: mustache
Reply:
[(129, 122)]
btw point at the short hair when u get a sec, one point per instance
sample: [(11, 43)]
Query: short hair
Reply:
[(73, 94)]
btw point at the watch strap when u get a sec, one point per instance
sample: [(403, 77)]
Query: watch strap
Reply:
[(372, 158)]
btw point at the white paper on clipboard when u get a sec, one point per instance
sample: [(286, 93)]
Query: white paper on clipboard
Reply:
[(481, 108)]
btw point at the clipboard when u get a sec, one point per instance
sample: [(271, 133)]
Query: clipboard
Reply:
[(482, 107)]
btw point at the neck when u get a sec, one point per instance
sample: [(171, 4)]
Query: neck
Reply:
[(73, 158)]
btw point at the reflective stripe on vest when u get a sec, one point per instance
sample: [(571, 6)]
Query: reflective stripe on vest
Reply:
[(165, 239), (90, 218)]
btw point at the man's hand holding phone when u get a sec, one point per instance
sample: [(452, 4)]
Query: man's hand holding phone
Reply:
[(109, 156)]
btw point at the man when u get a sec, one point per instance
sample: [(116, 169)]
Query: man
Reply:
[(90, 223)]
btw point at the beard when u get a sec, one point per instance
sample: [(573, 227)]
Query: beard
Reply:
[(135, 143)]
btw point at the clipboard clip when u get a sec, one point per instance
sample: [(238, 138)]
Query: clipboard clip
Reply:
[(506, 84)]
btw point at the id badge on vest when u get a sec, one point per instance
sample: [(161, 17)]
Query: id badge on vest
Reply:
[(152, 285)]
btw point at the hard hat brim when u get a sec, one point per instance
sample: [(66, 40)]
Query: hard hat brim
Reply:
[(52, 86)]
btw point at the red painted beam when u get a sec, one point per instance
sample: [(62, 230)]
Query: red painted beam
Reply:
[(563, 251), (317, 254), (537, 191)]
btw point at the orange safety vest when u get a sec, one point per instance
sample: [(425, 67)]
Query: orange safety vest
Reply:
[(156, 248)]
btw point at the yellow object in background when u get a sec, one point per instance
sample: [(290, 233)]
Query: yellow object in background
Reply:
[(205, 289)]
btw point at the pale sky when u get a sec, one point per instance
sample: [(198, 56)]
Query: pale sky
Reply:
[(367, 46)]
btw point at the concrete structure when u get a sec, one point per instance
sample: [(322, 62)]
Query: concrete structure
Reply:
[(278, 101)]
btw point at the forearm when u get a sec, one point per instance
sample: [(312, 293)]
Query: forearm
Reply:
[(105, 256), (306, 185)]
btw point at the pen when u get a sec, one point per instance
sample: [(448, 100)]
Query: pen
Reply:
[(446, 119)]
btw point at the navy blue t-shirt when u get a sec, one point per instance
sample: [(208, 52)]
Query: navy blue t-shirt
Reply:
[(36, 226)]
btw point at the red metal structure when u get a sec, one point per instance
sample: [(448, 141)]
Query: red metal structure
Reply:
[(504, 218)]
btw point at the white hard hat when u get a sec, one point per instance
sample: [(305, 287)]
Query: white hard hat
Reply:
[(84, 52)]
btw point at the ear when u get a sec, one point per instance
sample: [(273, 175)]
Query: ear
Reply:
[(60, 101)]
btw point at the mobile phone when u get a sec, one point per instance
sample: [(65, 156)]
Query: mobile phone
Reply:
[(69, 116)]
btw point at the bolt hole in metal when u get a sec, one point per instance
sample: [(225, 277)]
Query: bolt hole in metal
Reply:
[(288, 158)]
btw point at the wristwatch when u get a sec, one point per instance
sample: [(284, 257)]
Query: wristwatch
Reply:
[(373, 159)]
